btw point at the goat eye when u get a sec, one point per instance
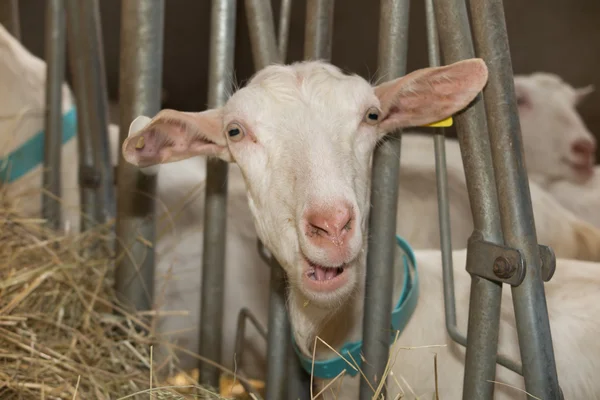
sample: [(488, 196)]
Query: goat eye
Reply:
[(372, 116), (235, 132)]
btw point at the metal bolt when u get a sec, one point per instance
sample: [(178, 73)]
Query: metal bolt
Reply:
[(503, 268)]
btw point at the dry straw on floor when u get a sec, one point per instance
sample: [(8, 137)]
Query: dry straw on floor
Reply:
[(59, 335), (63, 334)]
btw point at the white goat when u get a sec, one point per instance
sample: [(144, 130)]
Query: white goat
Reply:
[(559, 149), (557, 144), (23, 86), (303, 137)]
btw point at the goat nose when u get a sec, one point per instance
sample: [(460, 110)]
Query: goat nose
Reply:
[(584, 147), (333, 223)]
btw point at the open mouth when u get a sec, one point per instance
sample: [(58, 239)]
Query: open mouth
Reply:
[(320, 278)]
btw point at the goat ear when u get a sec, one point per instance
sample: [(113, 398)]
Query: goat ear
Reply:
[(174, 136), (430, 95), (583, 92)]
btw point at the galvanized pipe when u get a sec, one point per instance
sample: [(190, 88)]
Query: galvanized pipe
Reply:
[(531, 312), (89, 166), (285, 14), (318, 33), (484, 310), (443, 209), (140, 83), (262, 33), (55, 49), (246, 314), (393, 48), (442, 189), (9, 17), (278, 340), (298, 383), (220, 79), (98, 103), (265, 52)]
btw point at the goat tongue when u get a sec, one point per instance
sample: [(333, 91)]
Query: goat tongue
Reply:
[(325, 274)]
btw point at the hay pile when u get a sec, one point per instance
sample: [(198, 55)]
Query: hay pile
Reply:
[(59, 335)]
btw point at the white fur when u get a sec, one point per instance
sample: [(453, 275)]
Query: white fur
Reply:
[(582, 199), (311, 144), (550, 125)]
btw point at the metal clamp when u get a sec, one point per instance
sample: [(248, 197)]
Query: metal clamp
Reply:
[(508, 266), (548, 260)]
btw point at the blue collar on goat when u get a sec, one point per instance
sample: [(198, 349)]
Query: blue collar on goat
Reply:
[(31, 153), (351, 358)]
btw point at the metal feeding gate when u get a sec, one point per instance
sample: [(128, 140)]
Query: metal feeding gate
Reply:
[(502, 249)]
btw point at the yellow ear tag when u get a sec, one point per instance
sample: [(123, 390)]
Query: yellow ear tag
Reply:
[(442, 124)]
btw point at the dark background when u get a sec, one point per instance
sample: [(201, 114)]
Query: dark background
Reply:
[(558, 36)]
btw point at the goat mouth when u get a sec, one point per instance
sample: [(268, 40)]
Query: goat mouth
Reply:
[(582, 168), (324, 279)]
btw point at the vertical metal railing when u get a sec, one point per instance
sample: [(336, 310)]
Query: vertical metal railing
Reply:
[(393, 47), (222, 46), (140, 83), (9, 17), (318, 34), (98, 103), (285, 14), (55, 54), (89, 164), (489, 261), (480, 361), (87, 63), (283, 368), (265, 51), (443, 208), (516, 213)]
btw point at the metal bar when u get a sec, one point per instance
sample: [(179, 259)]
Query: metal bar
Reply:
[(265, 52), (393, 48), (278, 341), (222, 45), (140, 83), (484, 310), (445, 236), (9, 17), (262, 33), (285, 14), (298, 379), (89, 174), (246, 314), (318, 33), (55, 49), (533, 327), (98, 103)]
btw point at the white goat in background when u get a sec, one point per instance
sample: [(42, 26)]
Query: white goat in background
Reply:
[(560, 150), (303, 137)]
